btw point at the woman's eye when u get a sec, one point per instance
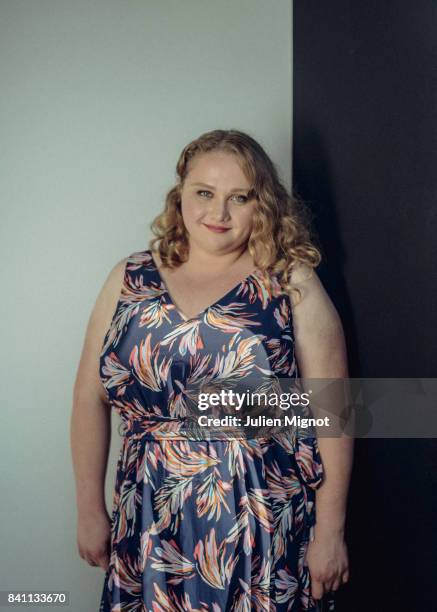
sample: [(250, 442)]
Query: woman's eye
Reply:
[(202, 192), (241, 199)]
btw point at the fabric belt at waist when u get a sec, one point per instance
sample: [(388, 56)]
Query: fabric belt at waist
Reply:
[(180, 428)]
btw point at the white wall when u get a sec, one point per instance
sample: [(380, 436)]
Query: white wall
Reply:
[(98, 99)]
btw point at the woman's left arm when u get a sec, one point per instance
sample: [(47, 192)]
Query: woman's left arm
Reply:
[(320, 350)]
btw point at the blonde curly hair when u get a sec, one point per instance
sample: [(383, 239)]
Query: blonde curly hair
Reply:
[(281, 234)]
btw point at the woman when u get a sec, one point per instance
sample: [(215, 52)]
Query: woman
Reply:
[(227, 290)]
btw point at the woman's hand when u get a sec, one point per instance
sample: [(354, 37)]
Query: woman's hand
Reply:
[(328, 563), (93, 538)]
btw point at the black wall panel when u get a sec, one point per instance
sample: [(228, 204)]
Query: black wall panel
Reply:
[(365, 161)]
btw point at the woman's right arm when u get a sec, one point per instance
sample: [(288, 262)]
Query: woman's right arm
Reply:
[(90, 429)]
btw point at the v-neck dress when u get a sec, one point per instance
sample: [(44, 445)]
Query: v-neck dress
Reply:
[(210, 524)]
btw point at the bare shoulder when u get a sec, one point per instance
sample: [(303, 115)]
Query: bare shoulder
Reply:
[(112, 286), (87, 379), (107, 299), (314, 312), (305, 278), (314, 309), (318, 330)]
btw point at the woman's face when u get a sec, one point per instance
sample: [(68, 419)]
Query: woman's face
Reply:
[(216, 208)]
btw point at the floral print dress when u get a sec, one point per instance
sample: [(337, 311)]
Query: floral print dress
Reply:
[(203, 525)]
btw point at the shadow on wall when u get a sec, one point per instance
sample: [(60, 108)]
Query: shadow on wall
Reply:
[(313, 184)]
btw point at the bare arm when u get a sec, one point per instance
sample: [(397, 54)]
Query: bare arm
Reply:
[(90, 427), (321, 353)]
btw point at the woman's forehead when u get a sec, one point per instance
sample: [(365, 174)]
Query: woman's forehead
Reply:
[(218, 165)]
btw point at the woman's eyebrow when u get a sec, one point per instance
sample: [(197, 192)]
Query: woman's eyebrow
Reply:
[(212, 187)]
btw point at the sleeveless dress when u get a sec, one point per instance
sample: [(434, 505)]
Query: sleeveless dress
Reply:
[(203, 524)]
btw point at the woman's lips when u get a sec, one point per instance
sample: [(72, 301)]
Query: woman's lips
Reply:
[(217, 228)]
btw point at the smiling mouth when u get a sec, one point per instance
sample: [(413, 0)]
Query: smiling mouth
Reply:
[(217, 228)]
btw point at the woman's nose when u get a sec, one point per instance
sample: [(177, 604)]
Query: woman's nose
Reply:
[(220, 209)]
